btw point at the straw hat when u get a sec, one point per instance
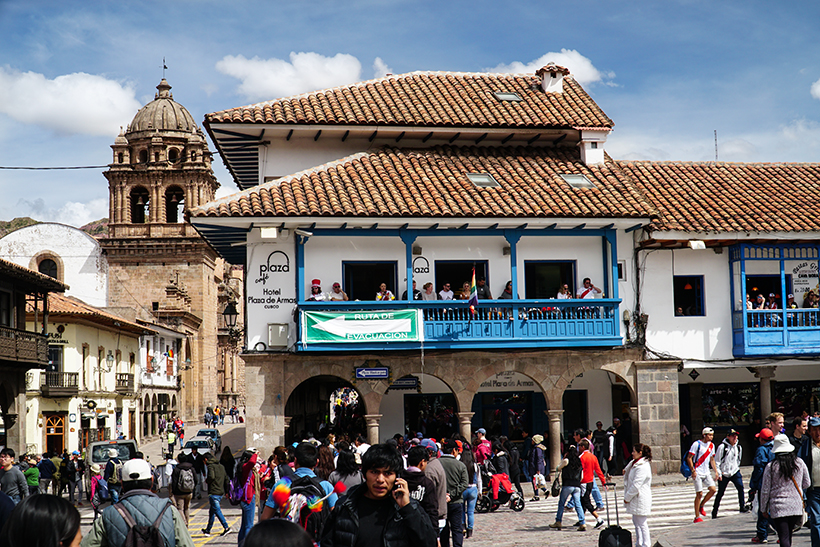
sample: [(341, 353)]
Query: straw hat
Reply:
[(782, 445)]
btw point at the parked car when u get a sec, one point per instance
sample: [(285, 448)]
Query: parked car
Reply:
[(214, 434), (97, 452), (202, 444)]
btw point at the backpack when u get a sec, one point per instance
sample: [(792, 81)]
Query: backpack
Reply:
[(116, 475), (142, 536), (302, 489), (185, 481), (102, 489), (236, 489)]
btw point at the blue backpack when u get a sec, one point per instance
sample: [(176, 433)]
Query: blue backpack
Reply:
[(685, 470), (102, 489)]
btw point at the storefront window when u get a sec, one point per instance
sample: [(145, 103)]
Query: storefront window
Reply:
[(432, 415), (730, 405)]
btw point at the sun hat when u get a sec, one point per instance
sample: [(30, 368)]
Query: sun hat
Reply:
[(316, 283), (782, 445), (537, 439), (765, 433), (707, 431), (136, 470), (814, 421), (113, 453), (95, 468)]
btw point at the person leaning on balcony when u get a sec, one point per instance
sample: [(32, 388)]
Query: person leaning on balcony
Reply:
[(337, 293), (761, 302), (507, 293), (445, 293), (316, 294), (384, 293), (564, 293), (771, 304), (428, 293), (466, 289), (482, 290), (810, 300), (588, 290), (416, 293)]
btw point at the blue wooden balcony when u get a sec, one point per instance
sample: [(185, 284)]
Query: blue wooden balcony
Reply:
[(497, 324), (776, 332)]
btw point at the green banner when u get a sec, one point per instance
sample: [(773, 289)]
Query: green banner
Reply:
[(369, 326)]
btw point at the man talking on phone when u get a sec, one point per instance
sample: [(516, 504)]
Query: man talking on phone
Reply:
[(379, 511)]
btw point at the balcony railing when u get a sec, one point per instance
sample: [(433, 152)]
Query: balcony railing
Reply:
[(496, 323), (776, 332), (125, 383), (24, 347), (59, 384)]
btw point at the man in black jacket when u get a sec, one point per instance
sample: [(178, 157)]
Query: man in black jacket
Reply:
[(379, 512), (421, 488)]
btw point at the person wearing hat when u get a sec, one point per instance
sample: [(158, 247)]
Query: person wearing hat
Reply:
[(316, 294), (76, 471), (809, 452), (142, 507), (32, 475), (483, 448), (112, 474), (762, 458), (700, 457), (538, 466), (781, 494), (337, 293), (728, 457), (435, 472), (456, 480)]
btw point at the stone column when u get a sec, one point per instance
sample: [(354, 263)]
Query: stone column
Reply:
[(658, 412), (555, 438), (765, 374), (465, 424), (372, 428)]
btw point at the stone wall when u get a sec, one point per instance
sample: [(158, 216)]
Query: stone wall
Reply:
[(659, 413)]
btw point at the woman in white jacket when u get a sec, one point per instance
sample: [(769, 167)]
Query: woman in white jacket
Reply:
[(638, 492)]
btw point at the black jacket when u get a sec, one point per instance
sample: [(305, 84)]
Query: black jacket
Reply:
[(423, 491), (175, 478), (408, 526)]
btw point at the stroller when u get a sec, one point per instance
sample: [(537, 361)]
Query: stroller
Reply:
[(500, 485)]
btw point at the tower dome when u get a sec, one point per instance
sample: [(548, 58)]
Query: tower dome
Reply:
[(162, 115)]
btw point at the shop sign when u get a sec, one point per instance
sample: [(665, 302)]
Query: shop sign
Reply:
[(58, 338), (408, 382), (353, 327), (804, 278)]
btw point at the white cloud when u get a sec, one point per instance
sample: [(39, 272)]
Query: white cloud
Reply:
[(380, 68), (72, 213), (265, 79), (76, 103), (815, 89), (579, 66)]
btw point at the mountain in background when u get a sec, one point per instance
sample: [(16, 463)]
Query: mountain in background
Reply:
[(96, 229)]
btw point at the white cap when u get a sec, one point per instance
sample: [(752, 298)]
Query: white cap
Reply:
[(707, 431), (113, 453), (136, 470)]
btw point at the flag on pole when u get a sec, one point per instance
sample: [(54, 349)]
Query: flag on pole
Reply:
[(473, 295)]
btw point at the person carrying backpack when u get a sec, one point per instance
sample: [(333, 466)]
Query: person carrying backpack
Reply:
[(305, 484), (217, 481), (248, 475), (184, 479), (113, 474), (141, 517)]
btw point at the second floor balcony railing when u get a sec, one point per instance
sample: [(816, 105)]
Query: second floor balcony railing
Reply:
[(776, 332), (125, 382), (23, 347), (59, 384), (495, 324)]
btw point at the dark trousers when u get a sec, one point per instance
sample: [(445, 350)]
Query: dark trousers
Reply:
[(585, 501), (784, 526), (762, 526), (454, 525), (737, 480)]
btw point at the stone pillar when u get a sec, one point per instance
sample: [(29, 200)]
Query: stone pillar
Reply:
[(465, 425), (555, 438), (265, 400), (658, 413), (372, 428), (765, 374)]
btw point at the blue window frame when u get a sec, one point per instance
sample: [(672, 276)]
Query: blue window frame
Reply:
[(362, 278), (688, 291)]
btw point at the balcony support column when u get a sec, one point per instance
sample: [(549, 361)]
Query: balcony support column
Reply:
[(765, 374), (555, 438), (465, 424), (408, 239), (372, 421)]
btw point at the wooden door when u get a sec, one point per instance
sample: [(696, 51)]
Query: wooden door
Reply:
[(55, 433)]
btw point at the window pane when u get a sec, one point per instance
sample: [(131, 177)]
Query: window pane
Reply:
[(688, 295)]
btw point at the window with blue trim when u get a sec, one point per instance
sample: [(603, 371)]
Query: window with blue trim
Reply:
[(688, 291)]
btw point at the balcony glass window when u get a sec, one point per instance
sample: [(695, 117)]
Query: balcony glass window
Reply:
[(362, 279), (544, 279), (55, 359), (688, 290)]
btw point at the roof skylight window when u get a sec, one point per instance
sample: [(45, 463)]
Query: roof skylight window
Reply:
[(507, 96), (578, 181), (483, 180)]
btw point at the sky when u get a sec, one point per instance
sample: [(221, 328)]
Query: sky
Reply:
[(668, 73)]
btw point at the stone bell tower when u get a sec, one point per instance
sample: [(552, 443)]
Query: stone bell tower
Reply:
[(159, 265)]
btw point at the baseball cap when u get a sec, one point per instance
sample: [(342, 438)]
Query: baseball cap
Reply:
[(765, 433), (336, 284), (731, 432), (790, 295), (707, 431), (481, 430), (814, 421), (429, 444), (75, 453), (771, 294), (136, 470)]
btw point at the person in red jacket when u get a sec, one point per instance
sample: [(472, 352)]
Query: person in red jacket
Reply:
[(248, 475), (483, 448), (591, 467)]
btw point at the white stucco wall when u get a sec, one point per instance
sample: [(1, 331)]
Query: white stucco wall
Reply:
[(85, 269)]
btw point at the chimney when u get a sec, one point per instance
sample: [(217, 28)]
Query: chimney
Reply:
[(592, 146), (552, 78)]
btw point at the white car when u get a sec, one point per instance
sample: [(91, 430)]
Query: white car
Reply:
[(204, 445)]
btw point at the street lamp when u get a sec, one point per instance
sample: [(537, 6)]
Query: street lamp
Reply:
[(230, 314)]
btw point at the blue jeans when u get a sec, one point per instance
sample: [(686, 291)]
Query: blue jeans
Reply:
[(813, 509), (214, 510), (762, 525), (596, 495), (566, 492), (247, 520), (115, 492), (470, 496)]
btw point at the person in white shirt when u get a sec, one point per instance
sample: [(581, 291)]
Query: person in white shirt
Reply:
[(564, 293), (638, 492), (361, 445), (445, 293), (728, 458), (337, 293), (588, 290), (700, 456), (384, 293)]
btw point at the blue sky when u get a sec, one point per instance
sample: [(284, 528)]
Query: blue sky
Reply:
[(668, 73)]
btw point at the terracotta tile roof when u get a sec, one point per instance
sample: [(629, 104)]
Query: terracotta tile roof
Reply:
[(434, 99), (730, 197), (432, 182), (61, 305)]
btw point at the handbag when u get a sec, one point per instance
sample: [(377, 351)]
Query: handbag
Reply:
[(556, 487), (540, 481)]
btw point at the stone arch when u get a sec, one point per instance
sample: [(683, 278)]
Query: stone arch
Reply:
[(624, 370), (139, 200), (307, 405), (40, 258), (174, 204), (432, 408)]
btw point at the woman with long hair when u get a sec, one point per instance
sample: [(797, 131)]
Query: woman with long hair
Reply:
[(571, 474), (781, 495), (638, 492), (325, 465), (347, 470), (228, 461), (42, 520), (470, 495)]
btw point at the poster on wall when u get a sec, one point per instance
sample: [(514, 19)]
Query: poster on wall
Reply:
[(369, 326), (730, 405), (804, 278)]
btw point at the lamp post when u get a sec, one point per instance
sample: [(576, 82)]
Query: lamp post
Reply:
[(109, 359), (230, 314)]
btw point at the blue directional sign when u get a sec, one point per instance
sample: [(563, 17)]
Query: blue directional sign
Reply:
[(372, 373)]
